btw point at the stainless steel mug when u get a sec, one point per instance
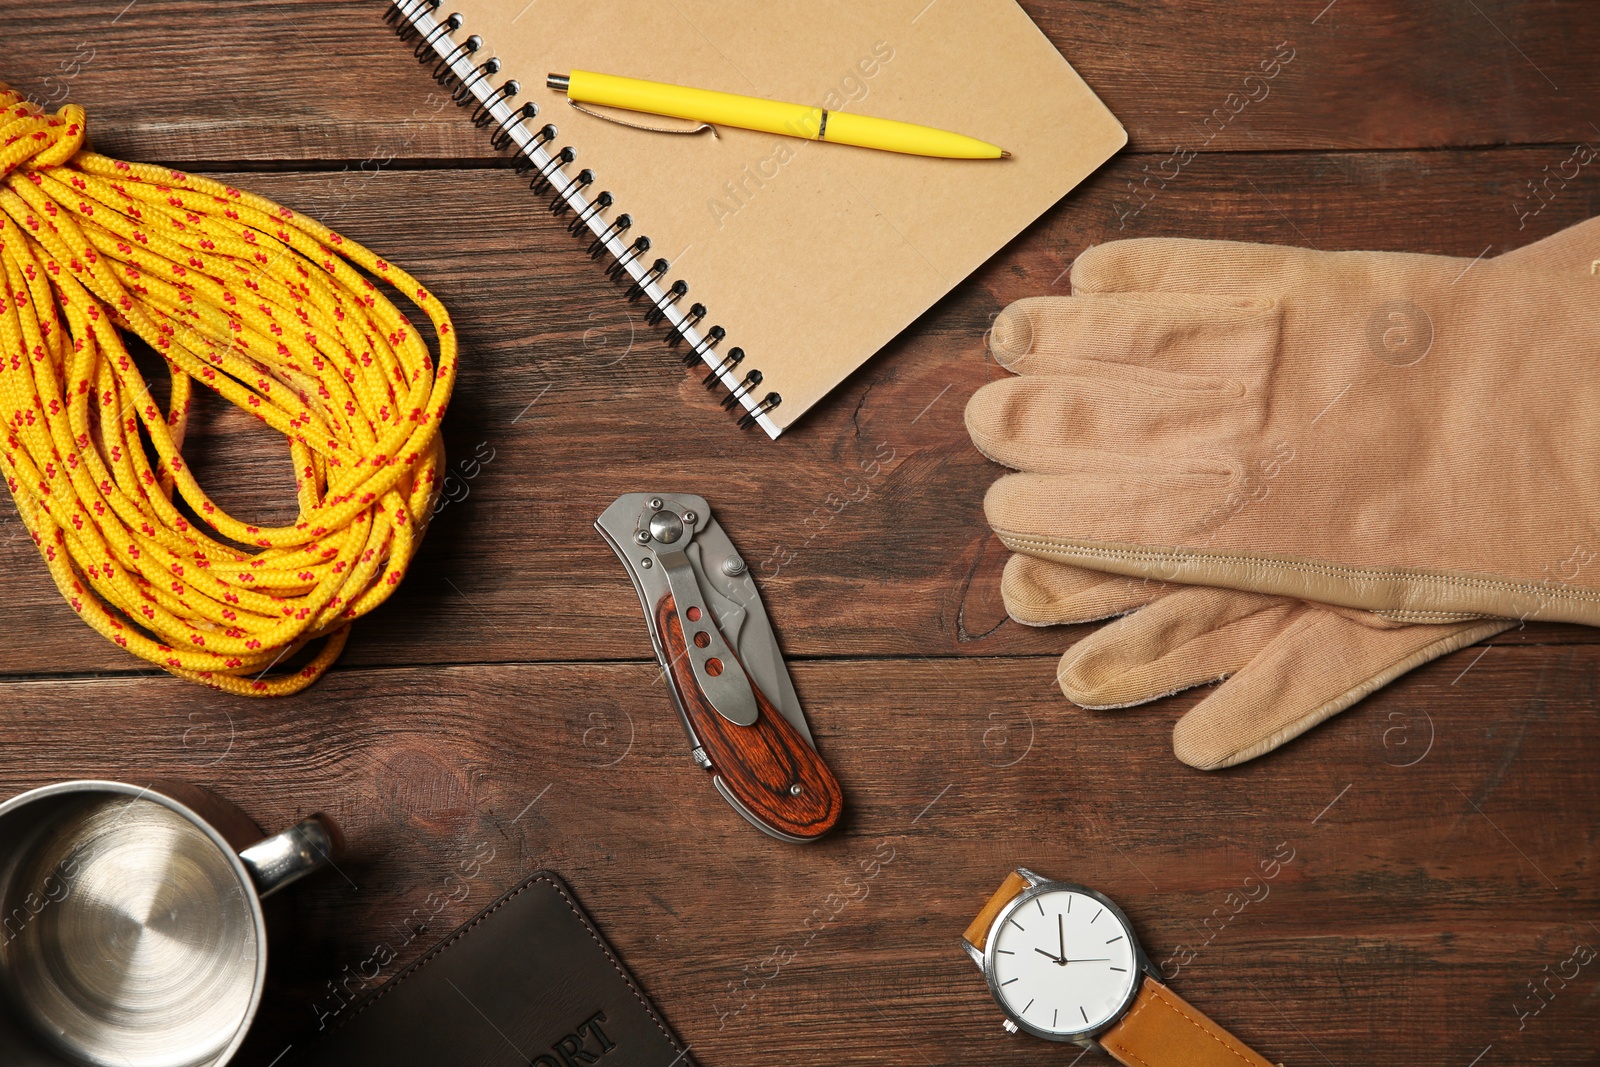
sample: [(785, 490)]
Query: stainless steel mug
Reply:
[(131, 929)]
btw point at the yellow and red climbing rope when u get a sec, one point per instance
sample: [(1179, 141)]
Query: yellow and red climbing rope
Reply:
[(256, 302)]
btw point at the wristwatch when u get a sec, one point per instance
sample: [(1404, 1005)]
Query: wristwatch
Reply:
[(1064, 964)]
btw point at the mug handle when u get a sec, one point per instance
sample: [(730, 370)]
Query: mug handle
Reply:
[(285, 858)]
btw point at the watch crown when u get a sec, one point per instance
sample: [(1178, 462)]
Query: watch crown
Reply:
[(1010, 1026)]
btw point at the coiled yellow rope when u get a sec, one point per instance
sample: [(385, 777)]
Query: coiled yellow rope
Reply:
[(255, 302)]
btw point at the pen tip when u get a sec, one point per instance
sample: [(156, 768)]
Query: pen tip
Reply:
[(1004, 154)]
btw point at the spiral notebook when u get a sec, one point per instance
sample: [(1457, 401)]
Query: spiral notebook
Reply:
[(777, 265)]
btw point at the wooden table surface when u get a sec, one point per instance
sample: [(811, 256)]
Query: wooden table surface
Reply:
[(504, 707)]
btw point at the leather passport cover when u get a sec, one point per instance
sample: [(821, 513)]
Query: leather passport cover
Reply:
[(528, 983)]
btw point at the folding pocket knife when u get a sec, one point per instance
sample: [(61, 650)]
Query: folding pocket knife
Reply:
[(722, 664)]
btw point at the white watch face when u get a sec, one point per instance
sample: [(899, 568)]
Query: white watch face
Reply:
[(1063, 962)]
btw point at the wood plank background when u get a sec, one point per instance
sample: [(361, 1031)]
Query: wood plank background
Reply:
[(504, 701)]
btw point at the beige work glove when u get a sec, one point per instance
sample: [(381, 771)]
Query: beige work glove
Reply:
[(1293, 664), (1289, 664)]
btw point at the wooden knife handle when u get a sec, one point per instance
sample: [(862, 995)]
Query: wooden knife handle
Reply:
[(762, 763)]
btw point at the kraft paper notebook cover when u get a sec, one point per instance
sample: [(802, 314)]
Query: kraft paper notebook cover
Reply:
[(799, 258)]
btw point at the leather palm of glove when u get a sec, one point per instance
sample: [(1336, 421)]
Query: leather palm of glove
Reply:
[(1292, 663)]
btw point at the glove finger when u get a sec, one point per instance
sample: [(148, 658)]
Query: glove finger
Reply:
[(1178, 331), (1172, 265), (1182, 265), (1045, 424), (1042, 592), (1189, 637), (1319, 665), (1039, 592), (1123, 500)]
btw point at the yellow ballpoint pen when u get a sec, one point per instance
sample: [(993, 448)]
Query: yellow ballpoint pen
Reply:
[(769, 116)]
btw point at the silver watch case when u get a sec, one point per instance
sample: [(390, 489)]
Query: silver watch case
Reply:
[(985, 959)]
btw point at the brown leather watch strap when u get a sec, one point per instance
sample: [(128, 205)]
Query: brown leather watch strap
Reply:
[(1162, 1029), (977, 934)]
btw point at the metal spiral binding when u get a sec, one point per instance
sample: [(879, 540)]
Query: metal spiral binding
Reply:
[(751, 380), (619, 268), (540, 183), (463, 91), (438, 47), (729, 363), (545, 135), (596, 206), (753, 415), (483, 114), (697, 311), (561, 203), (657, 272), (442, 31), (618, 227), (401, 19), (699, 352), (502, 136), (444, 72), (657, 314)]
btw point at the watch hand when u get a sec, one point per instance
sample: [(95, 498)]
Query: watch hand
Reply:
[(1100, 960), (1061, 931), (1050, 956)]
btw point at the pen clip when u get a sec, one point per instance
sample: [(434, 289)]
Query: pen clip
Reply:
[(702, 128)]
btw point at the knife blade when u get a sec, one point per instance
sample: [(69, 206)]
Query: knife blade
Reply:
[(723, 665)]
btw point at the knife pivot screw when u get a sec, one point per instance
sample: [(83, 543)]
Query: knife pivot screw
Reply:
[(690, 517), (643, 537), (733, 566), (795, 790), (664, 527), (655, 503)]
